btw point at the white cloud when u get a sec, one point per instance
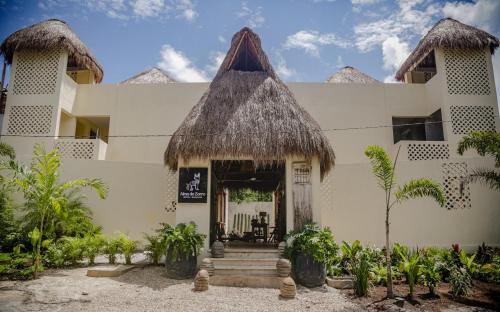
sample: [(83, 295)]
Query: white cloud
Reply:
[(147, 8), (282, 68), (221, 39), (310, 41), (216, 59), (394, 53), (364, 2), (484, 13), (390, 79), (408, 22), (179, 66), (187, 10), (340, 62), (254, 17)]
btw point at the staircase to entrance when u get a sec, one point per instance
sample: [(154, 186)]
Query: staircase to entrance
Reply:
[(247, 267)]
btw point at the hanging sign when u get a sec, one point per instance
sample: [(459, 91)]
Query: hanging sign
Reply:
[(193, 185)]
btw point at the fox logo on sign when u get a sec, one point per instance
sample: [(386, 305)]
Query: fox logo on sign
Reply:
[(193, 185)]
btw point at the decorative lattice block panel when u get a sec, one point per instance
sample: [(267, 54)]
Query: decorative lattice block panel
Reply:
[(24, 120), (457, 195), (466, 72), (76, 149), (425, 151), (36, 72), (171, 191), (465, 119), (326, 192)]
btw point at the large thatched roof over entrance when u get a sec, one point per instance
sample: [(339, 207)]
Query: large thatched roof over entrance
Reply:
[(248, 111), (350, 74), (449, 33), (52, 34)]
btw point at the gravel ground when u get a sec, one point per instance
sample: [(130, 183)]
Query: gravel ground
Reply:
[(148, 289)]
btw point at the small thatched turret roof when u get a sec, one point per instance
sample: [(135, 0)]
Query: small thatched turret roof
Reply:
[(248, 112), (52, 34), (153, 75), (350, 74), (449, 33)]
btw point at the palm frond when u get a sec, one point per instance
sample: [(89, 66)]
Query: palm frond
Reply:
[(382, 166), (97, 184), (490, 178), (7, 150), (485, 143), (420, 188)]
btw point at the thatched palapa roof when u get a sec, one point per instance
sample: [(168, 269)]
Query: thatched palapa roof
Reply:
[(350, 74), (449, 33), (248, 111), (52, 34), (153, 76)]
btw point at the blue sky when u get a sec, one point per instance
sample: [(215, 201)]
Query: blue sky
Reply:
[(306, 40)]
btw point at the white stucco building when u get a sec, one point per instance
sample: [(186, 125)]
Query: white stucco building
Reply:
[(119, 132)]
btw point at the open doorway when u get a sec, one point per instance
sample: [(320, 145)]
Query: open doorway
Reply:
[(248, 205)]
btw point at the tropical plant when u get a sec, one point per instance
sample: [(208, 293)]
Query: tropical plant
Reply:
[(384, 170), (112, 248), (7, 151), (127, 247), (45, 194), (73, 249), (378, 274), (410, 267), (468, 262), (93, 246), (313, 241), (349, 254), (155, 248), (182, 240), (430, 274), (360, 271), (486, 144), (461, 282)]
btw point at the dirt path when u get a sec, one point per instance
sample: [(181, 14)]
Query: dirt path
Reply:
[(148, 289)]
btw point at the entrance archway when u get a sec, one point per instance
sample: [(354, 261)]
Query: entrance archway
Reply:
[(262, 224)]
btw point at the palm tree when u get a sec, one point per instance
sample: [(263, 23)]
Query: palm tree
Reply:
[(45, 194), (485, 144), (384, 170)]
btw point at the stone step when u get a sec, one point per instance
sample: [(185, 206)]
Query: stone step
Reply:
[(253, 281), (250, 253), (244, 261), (261, 270)]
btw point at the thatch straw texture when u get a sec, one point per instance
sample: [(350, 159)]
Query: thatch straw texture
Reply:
[(51, 34), (150, 76), (248, 114), (449, 33), (350, 74)]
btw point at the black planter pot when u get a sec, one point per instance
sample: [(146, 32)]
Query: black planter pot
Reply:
[(308, 272), (182, 267)]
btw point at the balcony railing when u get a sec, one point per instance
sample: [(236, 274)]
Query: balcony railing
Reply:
[(93, 149), (423, 150)]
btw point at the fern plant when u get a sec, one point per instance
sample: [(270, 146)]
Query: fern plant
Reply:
[(384, 170)]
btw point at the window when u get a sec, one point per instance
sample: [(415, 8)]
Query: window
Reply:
[(418, 128)]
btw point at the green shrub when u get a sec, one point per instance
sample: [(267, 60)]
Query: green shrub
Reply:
[(182, 239), (461, 282), (111, 249), (360, 271), (93, 246), (73, 249), (349, 254), (315, 242), (430, 274), (127, 247), (490, 272), (378, 274), (155, 248), (409, 265), (54, 256)]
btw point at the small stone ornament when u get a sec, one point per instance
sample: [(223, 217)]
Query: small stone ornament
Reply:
[(218, 249), (281, 248), (288, 288), (208, 266), (283, 266), (201, 281)]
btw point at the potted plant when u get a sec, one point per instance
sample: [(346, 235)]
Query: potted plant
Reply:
[(311, 251), (183, 245)]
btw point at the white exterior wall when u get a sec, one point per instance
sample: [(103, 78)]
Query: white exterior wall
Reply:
[(347, 200)]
